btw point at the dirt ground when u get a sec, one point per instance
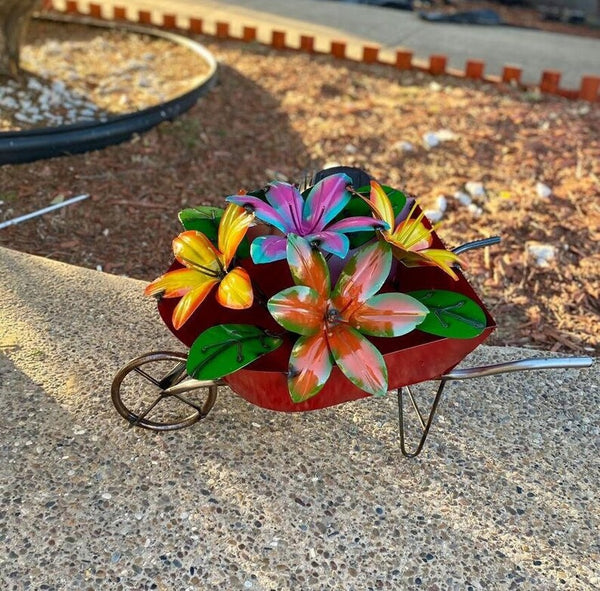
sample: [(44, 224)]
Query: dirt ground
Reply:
[(487, 160)]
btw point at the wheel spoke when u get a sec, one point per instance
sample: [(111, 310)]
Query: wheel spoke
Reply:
[(145, 413), (188, 402), (147, 376)]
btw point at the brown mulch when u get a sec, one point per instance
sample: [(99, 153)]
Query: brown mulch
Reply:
[(76, 73), (283, 113)]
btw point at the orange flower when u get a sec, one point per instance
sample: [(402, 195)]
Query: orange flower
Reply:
[(332, 322)]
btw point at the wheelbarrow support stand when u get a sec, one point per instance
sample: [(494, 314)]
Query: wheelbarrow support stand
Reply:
[(465, 374)]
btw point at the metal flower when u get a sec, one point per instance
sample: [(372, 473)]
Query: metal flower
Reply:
[(331, 324), (410, 239), (288, 212), (206, 266)]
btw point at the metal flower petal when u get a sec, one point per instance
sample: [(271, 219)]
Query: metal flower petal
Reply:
[(412, 233), (232, 229), (288, 202), (435, 257), (388, 315), (195, 251), (189, 303), (411, 238), (175, 284), (299, 309), (307, 265), (263, 211), (310, 367), (381, 204), (363, 275), (268, 249), (332, 242), (235, 290), (358, 224), (325, 200), (359, 360)]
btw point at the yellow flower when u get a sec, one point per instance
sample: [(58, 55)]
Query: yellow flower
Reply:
[(411, 238), (206, 266)]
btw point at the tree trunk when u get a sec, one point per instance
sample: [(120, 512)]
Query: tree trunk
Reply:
[(14, 17)]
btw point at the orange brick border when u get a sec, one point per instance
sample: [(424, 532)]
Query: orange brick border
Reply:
[(278, 39), (474, 69), (222, 30), (95, 10), (144, 17), (169, 21), (196, 26), (249, 34), (404, 59), (338, 49), (437, 64), (511, 74), (550, 81), (589, 89), (370, 54), (307, 43), (119, 13)]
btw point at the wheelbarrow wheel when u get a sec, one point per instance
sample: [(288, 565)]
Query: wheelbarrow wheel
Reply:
[(140, 393)]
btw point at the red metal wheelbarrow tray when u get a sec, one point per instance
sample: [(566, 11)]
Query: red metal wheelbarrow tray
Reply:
[(412, 358)]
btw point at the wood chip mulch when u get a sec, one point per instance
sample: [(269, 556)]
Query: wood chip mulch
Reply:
[(280, 114)]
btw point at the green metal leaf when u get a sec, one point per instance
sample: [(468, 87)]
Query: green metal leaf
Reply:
[(357, 207), (225, 348), (206, 219), (451, 314), (260, 193)]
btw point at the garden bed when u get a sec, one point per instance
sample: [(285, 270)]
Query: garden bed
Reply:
[(517, 164)]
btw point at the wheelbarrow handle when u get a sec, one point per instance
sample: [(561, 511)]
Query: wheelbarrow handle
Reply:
[(191, 384), (519, 365), (477, 244)]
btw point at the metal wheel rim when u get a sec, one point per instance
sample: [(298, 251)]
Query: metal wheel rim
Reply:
[(140, 421)]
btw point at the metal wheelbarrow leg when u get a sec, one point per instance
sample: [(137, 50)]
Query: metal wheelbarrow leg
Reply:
[(465, 374)]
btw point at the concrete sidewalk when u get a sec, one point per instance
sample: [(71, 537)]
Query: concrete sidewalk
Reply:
[(533, 51), (504, 496)]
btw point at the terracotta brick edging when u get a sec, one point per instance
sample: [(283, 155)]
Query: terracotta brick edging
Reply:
[(589, 89), (511, 74), (338, 49), (437, 64), (474, 69)]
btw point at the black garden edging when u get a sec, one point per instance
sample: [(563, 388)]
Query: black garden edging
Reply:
[(35, 144)]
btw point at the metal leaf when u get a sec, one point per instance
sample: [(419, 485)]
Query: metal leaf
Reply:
[(451, 314), (225, 348), (204, 219)]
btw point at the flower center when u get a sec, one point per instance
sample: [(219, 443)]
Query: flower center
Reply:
[(332, 317)]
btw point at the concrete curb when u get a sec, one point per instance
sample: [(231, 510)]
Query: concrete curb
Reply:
[(549, 82)]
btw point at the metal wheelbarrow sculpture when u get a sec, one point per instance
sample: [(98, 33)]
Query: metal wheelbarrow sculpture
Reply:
[(303, 298)]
